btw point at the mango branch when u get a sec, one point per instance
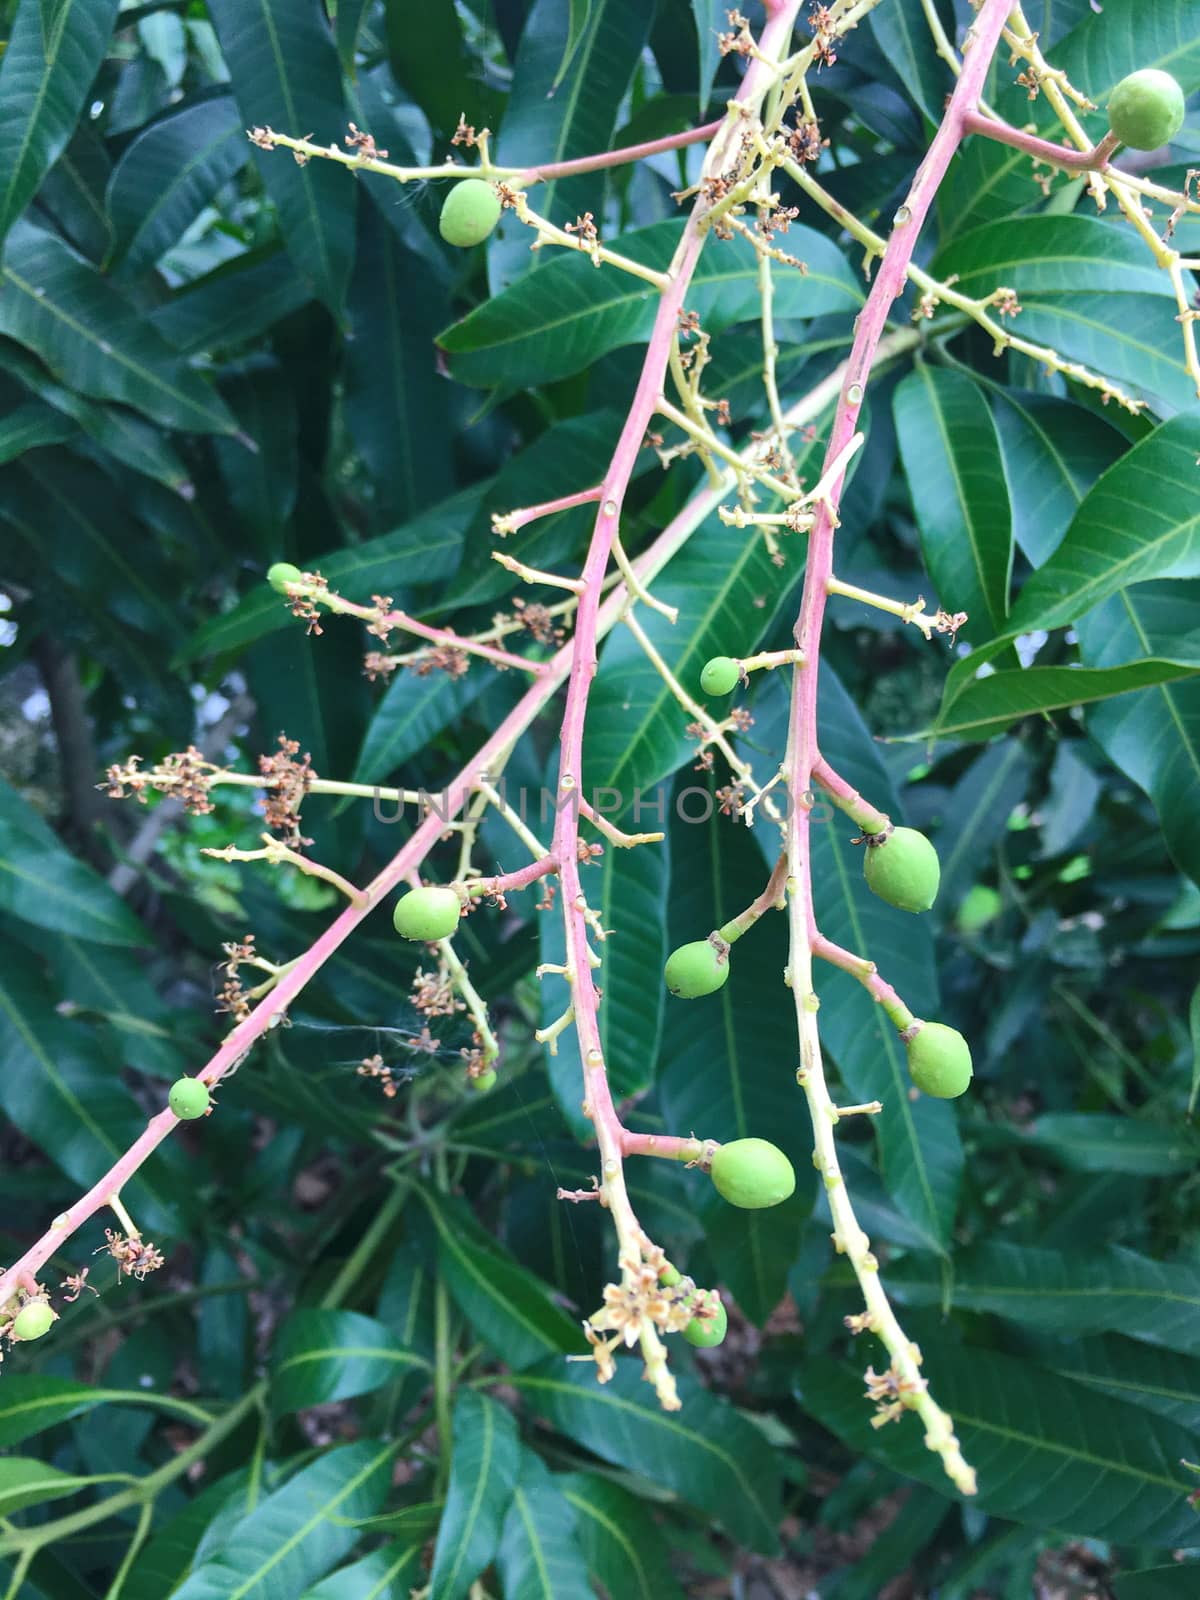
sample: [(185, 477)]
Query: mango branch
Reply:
[(476, 774), (902, 1387), (635, 1252)]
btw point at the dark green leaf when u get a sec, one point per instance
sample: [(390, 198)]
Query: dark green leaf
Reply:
[(483, 1473), (539, 1557), (285, 76), (1152, 736), (168, 174), (44, 80), (1141, 1374), (41, 882), (570, 80), (709, 1454), (297, 1533), (396, 403), (320, 1356), (57, 305), (1046, 1453), (902, 32), (992, 703), (30, 1404), (1094, 1142), (620, 1541), (1035, 255), (1101, 1291), (386, 1574), (507, 1306), (976, 817), (956, 477), (1158, 1583), (26, 1482), (30, 426)]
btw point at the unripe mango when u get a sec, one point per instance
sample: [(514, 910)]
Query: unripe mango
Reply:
[(939, 1060), (281, 574), (903, 869), (752, 1174), (485, 1081), (188, 1098), (696, 969), (35, 1318), (1146, 109), (708, 1332), (427, 914), (721, 675), (469, 213)]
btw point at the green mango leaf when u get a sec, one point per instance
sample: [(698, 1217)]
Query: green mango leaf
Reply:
[(413, 711), (262, 482), (397, 405), (720, 1073), (711, 20), (236, 302), (1152, 736), (1047, 1454), (955, 473), (44, 79), (168, 174), (31, 426), (321, 1356), (1141, 1374), (431, 65), (993, 703), (131, 439), (285, 76), (1053, 452), (484, 1467), (43, 883), (26, 1482), (566, 315), (1106, 1290), (386, 1574), (295, 1535), (31, 1403), (902, 33), (570, 78), (351, 14), (57, 1085), (1139, 521), (706, 1452), (539, 1557), (1194, 1028), (508, 1307), (57, 305), (1040, 254), (619, 1539)]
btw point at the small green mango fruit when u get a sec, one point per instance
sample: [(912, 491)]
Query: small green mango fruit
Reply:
[(708, 1332), (485, 1081), (427, 914), (939, 1061), (721, 675), (1145, 110), (903, 870), (752, 1174), (469, 213), (281, 574), (188, 1098), (670, 1276), (696, 969), (35, 1318)]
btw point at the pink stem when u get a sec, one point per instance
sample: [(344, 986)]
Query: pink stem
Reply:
[(618, 158), (1093, 160), (597, 1093), (520, 879), (526, 514), (447, 636), (864, 970), (848, 799), (803, 753), (668, 1146)]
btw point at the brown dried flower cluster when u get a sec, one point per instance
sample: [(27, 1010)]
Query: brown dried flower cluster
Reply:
[(135, 1257), (287, 781)]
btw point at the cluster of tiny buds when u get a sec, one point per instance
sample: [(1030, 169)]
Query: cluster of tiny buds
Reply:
[(892, 1393), (135, 1256), (287, 781), (185, 774)]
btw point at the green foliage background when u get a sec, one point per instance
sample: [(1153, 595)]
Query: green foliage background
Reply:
[(212, 358)]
